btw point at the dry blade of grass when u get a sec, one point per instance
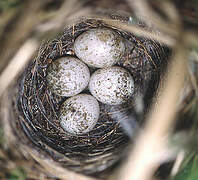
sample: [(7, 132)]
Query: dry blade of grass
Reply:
[(144, 12), (17, 64), (69, 11), (142, 32), (177, 163), (152, 141), (153, 138), (192, 37)]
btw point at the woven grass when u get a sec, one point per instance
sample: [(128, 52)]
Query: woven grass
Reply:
[(37, 108)]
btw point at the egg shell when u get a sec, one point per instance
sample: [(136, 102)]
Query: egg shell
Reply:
[(67, 76), (99, 47), (79, 114), (113, 85)]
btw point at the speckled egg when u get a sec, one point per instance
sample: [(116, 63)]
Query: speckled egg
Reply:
[(79, 114), (99, 47), (113, 85), (67, 76)]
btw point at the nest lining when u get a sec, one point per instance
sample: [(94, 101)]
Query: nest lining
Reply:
[(37, 108)]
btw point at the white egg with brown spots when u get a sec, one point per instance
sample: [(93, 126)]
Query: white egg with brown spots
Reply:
[(99, 47), (67, 76), (113, 85), (79, 114)]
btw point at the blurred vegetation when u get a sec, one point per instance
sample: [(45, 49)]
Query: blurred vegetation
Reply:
[(5, 5), (16, 174), (6, 171), (1, 136)]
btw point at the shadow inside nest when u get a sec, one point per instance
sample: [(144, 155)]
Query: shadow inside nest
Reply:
[(93, 153)]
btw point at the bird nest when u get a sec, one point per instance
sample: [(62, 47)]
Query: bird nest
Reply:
[(37, 108)]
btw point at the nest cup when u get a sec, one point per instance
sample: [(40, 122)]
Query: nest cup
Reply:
[(37, 108)]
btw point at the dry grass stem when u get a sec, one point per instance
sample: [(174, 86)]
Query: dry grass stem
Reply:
[(152, 140), (70, 10), (191, 37), (142, 32), (169, 9), (177, 164), (144, 12), (17, 64)]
